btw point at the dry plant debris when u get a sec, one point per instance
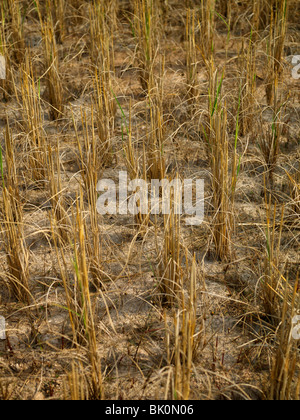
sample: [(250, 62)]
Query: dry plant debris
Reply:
[(144, 305)]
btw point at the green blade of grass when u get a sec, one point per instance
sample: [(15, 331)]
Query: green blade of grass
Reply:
[(217, 97)]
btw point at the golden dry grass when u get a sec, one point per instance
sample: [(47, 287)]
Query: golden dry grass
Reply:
[(144, 306)]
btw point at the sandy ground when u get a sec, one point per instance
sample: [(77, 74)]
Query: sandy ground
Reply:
[(235, 359)]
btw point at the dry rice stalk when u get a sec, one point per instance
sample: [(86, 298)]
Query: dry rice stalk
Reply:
[(87, 309), (223, 184), (81, 311), (285, 379), (75, 386), (170, 266), (269, 141), (102, 57), (189, 338), (59, 209), (248, 86), (207, 29), (101, 43), (12, 226), (91, 164), (33, 123), (272, 281), (191, 59), (17, 28), (105, 108), (278, 28), (155, 150), (54, 84), (58, 13), (145, 30), (135, 172)]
